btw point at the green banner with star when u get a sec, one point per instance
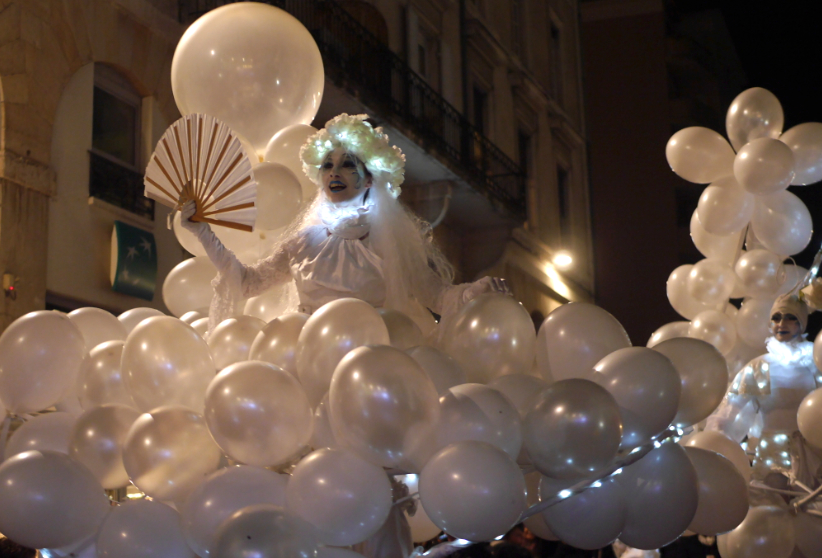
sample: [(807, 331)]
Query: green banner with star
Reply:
[(133, 261)]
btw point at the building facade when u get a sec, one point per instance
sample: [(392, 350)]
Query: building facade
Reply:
[(484, 97)]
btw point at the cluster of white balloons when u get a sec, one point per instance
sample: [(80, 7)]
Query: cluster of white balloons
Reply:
[(746, 202), (293, 423)]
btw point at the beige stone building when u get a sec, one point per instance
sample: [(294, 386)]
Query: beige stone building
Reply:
[(483, 96)]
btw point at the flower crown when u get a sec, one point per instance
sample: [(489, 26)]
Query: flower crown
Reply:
[(360, 139)]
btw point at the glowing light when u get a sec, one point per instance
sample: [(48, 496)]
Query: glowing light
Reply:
[(562, 259), (564, 493)]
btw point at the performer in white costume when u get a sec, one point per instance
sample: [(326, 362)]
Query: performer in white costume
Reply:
[(354, 239), (763, 399)]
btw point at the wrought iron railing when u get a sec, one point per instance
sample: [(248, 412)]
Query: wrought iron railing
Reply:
[(355, 57), (118, 185)]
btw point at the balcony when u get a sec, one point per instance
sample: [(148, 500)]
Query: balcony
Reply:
[(115, 184), (354, 56)]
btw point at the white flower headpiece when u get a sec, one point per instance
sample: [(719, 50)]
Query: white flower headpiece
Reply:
[(359, 138)]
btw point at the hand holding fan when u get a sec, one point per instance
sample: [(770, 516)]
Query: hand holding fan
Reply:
[(199, 158)]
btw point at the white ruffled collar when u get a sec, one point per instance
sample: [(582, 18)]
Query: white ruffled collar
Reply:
[(349, 220), (797, 351)]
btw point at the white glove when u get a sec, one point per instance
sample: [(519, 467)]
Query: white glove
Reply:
[(486, 285), (186, 212)]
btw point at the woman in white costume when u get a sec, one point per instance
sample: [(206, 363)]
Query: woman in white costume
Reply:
[(353, 240), (763, 399)]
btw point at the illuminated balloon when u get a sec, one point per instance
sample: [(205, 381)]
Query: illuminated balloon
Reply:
[(142, 528), (764, 166), (328, 335), (715, 328), (573, 429), (130, 318), (253, 66), (264, 531), (725, 207), (50, 431), (536, 523), (809, 417), (188, 286), (221, 495), (719, 247), (754, 113), (191, 317), (97, 440), (704, 375), (277, 342), (782, 223), (588, 333), (670, 330), (230, 342), (345, 497), (711, 281), (440, 368), (761, 272), (49, 500), (284, 148), (271, 304), (100, 380), (753, 321), (491, 336), (679, 297), (258, 413), (40, 356), (323, 436), (166, 362), (646, 387), (168, 452), (766, 532), (97, 326), (724, 446), (522, 390), (699, 155), (279, 195), (402, 331), (805, 140), (473, 490), (723, 493)]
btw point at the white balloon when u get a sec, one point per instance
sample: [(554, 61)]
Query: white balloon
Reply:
[(188, 286), (764, 166), (793, 275), (279, 195), (270, 305), (245, 245), (753, 321), (440, 368), (142, 529), (191, 317), (805, 140), (131, 318), (711, 281), (100, 380), (699, 155), (478, 412), (668, 331), (255, 67), (754, 113), (782, 223), (345, 497), (230, 342), (761, 272), (200, 326), (716, 328), (521, 389), (222, 494), (284, 148), (97, 440), (97, 326), (723, 248), (264, 531), (277, 342), (50, 431), (678, 295), (724, 207), (187, 239), (402, 331), (334, 552), (323, 436)]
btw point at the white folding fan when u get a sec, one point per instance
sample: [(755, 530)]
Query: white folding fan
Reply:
[(200, 158)]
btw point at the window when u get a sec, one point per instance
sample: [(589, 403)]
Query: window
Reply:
[(556, 63), (116, 175), (564, 202)]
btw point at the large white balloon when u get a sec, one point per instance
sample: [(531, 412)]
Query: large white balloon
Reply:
[(440, 368), (573, 338), (328, 335), (166, 362), (221, 495), (100, 380), (723, 493), (403, 332), (40, 356), (724, 207), (719, 443), (384, 382), (270, 305), (670, 330), (716, 328), (478, 412), (699, 155), (264, 531), (782, 223), (230, 342), (754, 113), (253, 66), (491, 336), (723, 248), (764, 166), (679, 297), (258, 413), (142, 529), (522, 390), (49, 500), (809, 417), (168, 452), (50, 431), (279, 195), (761, 273), (766, 532), (277, 342), (284, 148), (97, 326), (805, 140), (130, 318), (473, 490), (97, 440), (345, 497), (753, 321), (711, 281), (188, 286)]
